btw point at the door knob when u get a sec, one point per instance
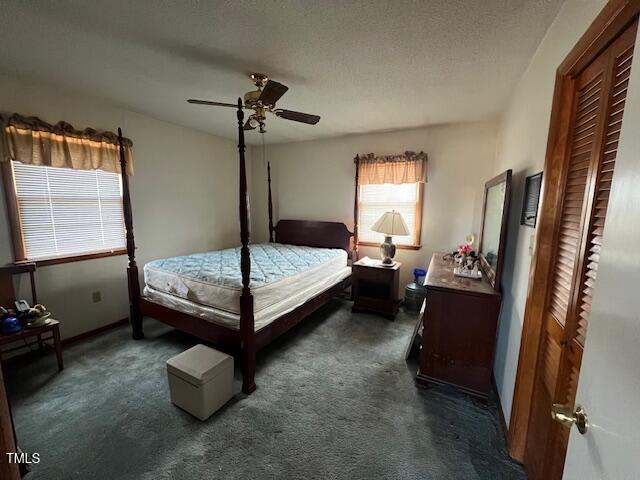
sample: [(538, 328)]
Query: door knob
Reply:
[(567, 416)]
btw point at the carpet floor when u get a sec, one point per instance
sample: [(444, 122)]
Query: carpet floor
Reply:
[(335, 400)]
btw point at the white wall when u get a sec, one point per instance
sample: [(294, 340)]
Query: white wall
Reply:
[(184, 196), (522, 143), (314, 180)]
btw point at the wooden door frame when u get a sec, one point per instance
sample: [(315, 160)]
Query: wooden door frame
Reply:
[(10, 471), (608, 25)]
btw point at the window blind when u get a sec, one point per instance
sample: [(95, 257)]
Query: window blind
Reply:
[(65, 212), (377, 199)]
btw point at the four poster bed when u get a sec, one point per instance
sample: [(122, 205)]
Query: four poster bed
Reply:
[(215, 297)]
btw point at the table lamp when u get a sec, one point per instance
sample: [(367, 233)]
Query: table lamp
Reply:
[(390, 223)]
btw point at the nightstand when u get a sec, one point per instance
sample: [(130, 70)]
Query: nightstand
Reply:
[(375, 287)]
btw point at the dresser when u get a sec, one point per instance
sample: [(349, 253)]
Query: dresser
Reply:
[(460, 320)]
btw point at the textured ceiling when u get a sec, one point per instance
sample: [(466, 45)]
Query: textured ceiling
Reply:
[(362, 65)]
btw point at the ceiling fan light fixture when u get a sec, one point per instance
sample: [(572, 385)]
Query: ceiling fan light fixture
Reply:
[(264, 100)]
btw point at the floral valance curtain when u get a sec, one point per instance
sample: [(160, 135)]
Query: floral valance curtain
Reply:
[(410, 167), (36, 142)]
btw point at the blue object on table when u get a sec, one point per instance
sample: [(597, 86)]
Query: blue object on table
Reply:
[(417, 273), (11, 325)]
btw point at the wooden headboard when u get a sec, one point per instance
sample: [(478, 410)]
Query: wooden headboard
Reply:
[(314, 234)]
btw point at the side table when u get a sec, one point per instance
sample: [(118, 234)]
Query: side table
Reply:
[(40, 336)]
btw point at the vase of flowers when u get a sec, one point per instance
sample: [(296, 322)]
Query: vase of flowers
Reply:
[(465, 256)]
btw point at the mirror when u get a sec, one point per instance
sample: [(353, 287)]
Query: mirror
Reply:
[(495, 214)]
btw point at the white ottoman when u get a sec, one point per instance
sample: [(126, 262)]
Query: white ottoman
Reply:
[(200, 380)]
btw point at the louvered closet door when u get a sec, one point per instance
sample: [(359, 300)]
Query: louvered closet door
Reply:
[(598, 108)]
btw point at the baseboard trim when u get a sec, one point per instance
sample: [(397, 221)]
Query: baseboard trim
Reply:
[(94, 332), (68, 341), (503, 422)]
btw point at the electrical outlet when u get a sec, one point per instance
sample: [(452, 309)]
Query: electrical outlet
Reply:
[(96, 297)]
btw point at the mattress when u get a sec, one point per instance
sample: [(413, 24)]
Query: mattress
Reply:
[(213, 279), (296, 296)]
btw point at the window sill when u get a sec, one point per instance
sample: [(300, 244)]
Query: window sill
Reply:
[(43, 262), (399, 247)]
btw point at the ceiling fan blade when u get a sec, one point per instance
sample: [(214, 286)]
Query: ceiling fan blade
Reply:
[(272, 92), (207, 102), (247, 125), (297, 116)]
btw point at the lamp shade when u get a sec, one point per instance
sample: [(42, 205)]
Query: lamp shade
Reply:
[(391, 223)]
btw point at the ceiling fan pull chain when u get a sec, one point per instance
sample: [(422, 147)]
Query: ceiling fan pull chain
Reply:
[(264, 164)]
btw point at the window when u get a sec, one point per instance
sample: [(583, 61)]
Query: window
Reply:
[(391, 182), (376, 199), (61, 212), (63, 189)]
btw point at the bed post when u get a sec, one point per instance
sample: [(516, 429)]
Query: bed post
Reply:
[(132, 268), (247, 328), (355, 212), (270, 203)]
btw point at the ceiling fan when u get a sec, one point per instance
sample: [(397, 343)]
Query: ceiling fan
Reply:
[(264, 100)]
